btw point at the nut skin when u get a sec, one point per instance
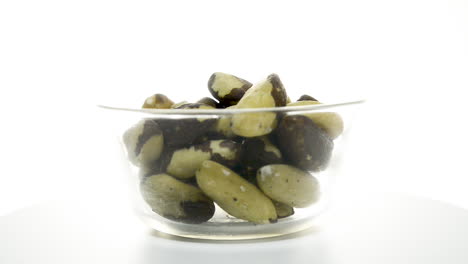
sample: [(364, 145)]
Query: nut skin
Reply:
[(158, 101), (213, 135), (210, 135), (197, 106), (268, 93), (258, 152), (278, 92), (283, 210), (225, 152), (183, 163), (331, 122), (234, 194), (208, 101), (306, 97), (153, 168), (176, 200), (183, 132), (226, 88), (289, 185), (248, 173), (303, 144), (221, 106), (144, 142), (255, 153)]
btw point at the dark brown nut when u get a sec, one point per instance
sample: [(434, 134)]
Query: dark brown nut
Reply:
[(303, 143), (331, 122), (208, 101), (190, 181), (215, 135), (176, 200), (234, 194), (306, 97), (268, 93), (196, 106), (184, 162), (283, 210), (153, 168), (144, 142), (210, 135), (183, 132), (158, 101), (288, 185), (227, 88), (248, 173), (258, 152)]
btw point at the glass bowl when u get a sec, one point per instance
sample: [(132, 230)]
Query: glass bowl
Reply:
[(191, 176)]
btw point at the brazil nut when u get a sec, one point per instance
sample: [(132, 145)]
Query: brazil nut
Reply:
[(306, 97), (268, 93), (208, 101), (288, 185), (158, 101), (144, 142), (234, 194), (303, 144), (259, 151), (176, 200), (226, 88), (331, 122), (184, 162), (283, 210)]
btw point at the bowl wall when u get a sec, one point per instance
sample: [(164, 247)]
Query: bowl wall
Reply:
[(177, 145)]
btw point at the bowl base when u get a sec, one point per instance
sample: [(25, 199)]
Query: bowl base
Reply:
[(224, 227)]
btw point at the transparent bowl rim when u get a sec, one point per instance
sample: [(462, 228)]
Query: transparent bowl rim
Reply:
[(198, 112)]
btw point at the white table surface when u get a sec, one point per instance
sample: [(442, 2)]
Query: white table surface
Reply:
[(385, 228)]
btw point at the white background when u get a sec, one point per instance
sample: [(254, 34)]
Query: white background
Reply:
[(59, 59)]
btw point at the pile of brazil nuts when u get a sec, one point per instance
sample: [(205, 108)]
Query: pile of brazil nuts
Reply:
[(255, 166)]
